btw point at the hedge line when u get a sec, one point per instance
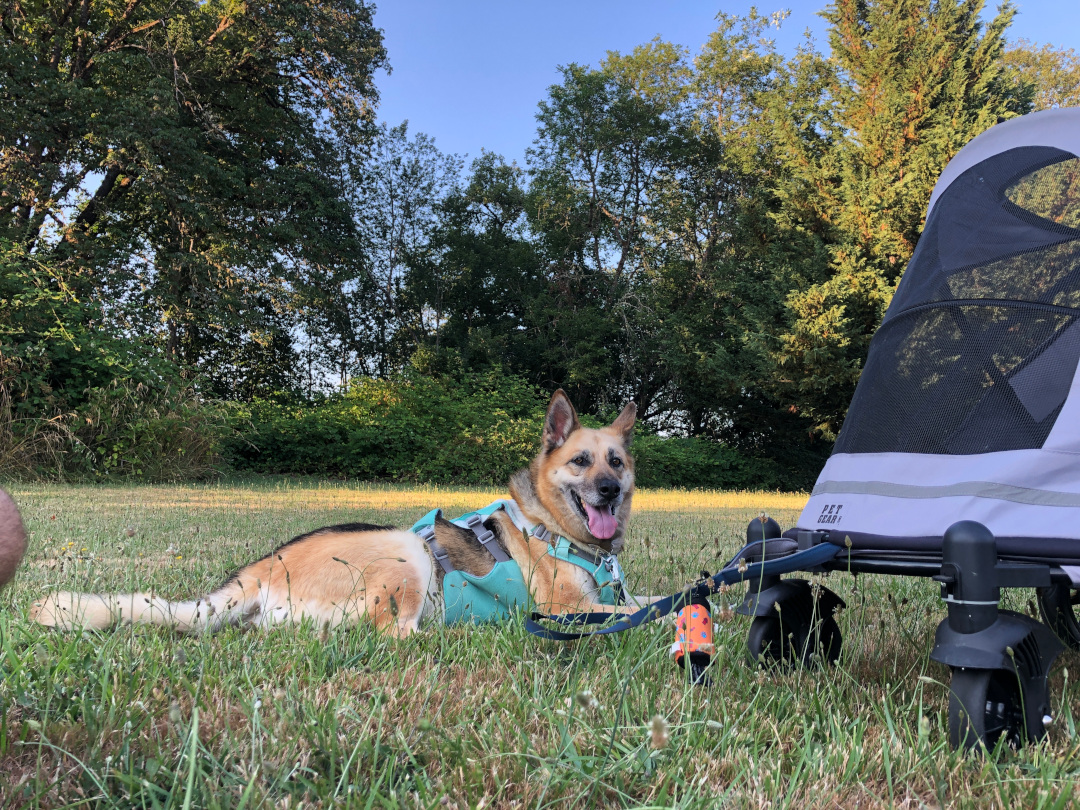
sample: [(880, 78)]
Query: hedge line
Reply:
[(473, 431)]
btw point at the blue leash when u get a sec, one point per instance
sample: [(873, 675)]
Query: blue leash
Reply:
[(729, 575)]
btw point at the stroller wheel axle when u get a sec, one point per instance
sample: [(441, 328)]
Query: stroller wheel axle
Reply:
[(999, 659)]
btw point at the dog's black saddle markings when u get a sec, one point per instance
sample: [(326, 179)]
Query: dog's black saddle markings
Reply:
[(475, 524)]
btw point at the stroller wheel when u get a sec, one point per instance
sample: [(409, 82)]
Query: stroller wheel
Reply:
[(1056, 604), (984, 706), (829, 641), (771, 642), (766, 641)]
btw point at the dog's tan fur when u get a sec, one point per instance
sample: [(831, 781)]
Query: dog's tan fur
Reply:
[(339, 574)]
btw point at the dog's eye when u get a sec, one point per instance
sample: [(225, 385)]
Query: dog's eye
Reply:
[(581, 461), (616, 462)]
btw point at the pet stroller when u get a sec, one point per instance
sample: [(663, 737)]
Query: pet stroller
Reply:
[(959, 459)]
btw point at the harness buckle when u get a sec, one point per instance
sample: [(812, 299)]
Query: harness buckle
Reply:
[(612, 567), (427, 534), (485, 537), (610, 564)]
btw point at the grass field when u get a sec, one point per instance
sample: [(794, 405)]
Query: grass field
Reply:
[(465, 717)]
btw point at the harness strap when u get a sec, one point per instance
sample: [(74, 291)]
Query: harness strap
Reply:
[(437, 551), (474, 521), (425, 528), (735, 571), (603, 568), (487, 538)]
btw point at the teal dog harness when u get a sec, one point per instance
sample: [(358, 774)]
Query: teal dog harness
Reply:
[(503, 590)]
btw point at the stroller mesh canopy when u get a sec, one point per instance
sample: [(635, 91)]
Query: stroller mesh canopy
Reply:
[(978, 349), (968, 407)]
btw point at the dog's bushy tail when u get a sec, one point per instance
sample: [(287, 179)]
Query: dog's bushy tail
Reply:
[(98, 611)]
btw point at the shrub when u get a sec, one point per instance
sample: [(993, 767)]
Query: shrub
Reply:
[(29, 446), (474, 429), (78, 398), (695, 463), (157, 433)]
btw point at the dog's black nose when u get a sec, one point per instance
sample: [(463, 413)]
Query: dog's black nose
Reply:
[(608, 488)]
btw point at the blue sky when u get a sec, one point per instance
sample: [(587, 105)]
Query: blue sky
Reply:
[(470, 73)]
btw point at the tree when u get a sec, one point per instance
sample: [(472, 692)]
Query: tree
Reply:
[(396, 198), (711, 285), (471, 289), (652, 179), (184, 159), (1051, 75), (908, 84), (603, 138)]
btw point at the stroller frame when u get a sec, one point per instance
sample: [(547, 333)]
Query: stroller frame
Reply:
[(999, 659)]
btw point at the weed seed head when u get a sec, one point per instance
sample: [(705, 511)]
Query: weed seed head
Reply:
[(587, 701), (658, 732)]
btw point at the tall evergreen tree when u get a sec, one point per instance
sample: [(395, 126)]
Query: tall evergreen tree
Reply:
[(907, 85)]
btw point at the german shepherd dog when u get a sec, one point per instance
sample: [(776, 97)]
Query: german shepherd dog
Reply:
[(579, 486)]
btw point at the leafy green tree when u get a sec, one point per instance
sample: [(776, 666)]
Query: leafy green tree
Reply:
[(710, 285), (253, 355), (396, 198), (471, 288), (185, 159), (652, 178), (603, 138), (1051, 75)]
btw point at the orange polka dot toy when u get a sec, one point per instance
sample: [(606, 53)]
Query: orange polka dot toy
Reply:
[(694, 639)]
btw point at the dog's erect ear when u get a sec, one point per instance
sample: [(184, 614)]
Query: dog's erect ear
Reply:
[(624, 423), (560, 422)]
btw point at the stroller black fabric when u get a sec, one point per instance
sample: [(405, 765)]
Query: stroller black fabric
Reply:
[(978, 348), (963, 408)]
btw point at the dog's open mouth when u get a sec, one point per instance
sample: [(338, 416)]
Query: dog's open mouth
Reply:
[(601, 519)]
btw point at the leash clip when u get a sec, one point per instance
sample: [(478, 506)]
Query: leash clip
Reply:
[(611, 565)]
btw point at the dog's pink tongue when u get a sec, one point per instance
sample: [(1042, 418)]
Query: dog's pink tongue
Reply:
[(601, 522)]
